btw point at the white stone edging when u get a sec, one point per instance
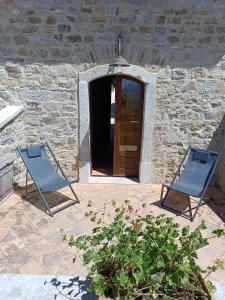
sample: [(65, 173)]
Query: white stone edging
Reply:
[(8, 113)]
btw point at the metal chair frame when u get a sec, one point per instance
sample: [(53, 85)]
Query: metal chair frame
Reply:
[(203, 196), (42, 194)]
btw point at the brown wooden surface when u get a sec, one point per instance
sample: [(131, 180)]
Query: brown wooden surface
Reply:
[(91, 122), (126, 163)]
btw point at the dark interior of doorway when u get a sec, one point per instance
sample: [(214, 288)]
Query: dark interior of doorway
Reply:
[(102, 129)]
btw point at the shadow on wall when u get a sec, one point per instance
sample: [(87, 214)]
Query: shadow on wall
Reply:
[(178, 33), (179, 56), (218, 144)]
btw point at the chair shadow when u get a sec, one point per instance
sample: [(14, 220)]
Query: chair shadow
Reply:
[(179, 201), (54, 199), (217, 202), (73, 288), (176, 201)]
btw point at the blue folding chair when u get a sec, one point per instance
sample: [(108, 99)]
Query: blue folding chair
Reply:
[(44, 175), (192, 177)]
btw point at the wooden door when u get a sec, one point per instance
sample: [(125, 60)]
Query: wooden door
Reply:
[(128, 126)]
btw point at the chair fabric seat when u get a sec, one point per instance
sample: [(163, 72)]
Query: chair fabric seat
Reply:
[(42, 170), (53, 183), (44, 174), (186, 188), (194, 175)]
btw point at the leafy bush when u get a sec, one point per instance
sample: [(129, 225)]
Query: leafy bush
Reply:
[(144, 255)]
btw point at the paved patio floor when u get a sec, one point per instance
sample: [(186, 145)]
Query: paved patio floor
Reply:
[(31, 241)]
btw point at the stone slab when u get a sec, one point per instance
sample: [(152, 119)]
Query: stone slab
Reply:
[(220, 290), (8, 113), (47, 287)]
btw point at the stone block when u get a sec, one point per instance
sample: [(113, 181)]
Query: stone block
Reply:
[(23, 4), (64, 28), (220, 88), (98, 20), (144, 29), (181, 11), (179, 73), (221, 39), (51, 20), (74, 38), (160, 31), (21, 40), (199, 72), (31, 120), (220, 29), (89, 39), (173, 39), (161, 20), (36, 95), (71, 19), (59, 37), (54, 52), (23, 52), (32, 83), (65, 83), (64, 70), (86, 10), (44, 4), (42, 53), (209, 29), (30, 29), (174, 20), (204, 40), (34, 20), (13, 70)]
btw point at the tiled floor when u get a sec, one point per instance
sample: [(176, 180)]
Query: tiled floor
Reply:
[(31, 241)]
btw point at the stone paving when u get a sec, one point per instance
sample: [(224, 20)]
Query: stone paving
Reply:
[(31, 241)]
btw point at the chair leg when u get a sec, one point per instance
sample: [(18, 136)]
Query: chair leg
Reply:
[(192, 216), (26, 184), (163, 199), (161, 195), (197, 208), (189, 204), (45, 201), (72, 190)]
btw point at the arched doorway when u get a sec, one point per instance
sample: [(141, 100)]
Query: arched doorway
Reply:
[(116, 115), (138, 160)]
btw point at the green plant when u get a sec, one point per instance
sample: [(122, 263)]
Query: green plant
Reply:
[(138, 255)]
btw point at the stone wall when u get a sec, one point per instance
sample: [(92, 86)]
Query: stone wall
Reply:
[(175, 32), (11, 137), (48, 94), (189, 111), (45, 44)]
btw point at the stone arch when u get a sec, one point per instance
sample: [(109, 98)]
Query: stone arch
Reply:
[(149, 80)]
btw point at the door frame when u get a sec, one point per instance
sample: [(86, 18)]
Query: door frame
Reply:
[(149, 80)]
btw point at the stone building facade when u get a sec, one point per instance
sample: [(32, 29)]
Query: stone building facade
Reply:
[(47, 45)]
